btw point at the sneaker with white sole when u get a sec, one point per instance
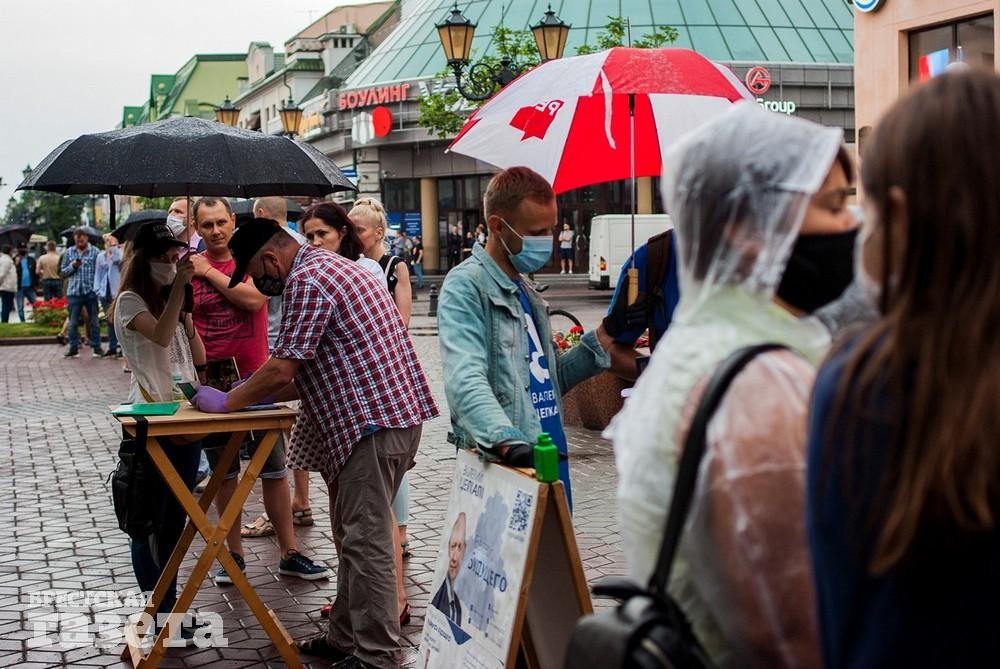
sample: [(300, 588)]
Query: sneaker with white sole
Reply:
[(222, 578), (299, 565)]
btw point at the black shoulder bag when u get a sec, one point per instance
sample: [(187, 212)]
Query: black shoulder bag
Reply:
[(648, 630), (130, 484)]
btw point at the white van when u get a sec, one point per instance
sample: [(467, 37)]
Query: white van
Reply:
[(611, 243)]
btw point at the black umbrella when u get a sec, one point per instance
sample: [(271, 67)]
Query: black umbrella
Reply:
[(126, 231), (181, 156), (244, 210), (95, 235), (15, 234)]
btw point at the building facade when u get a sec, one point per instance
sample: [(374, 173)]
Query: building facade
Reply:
[(797, 54), (902, 42)]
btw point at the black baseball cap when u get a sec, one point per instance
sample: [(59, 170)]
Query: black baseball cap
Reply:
[(246, 241), (155, 237)]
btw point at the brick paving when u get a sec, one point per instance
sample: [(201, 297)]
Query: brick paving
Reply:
[(57, 447)]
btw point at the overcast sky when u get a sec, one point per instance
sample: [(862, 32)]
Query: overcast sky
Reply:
[(67, 67)]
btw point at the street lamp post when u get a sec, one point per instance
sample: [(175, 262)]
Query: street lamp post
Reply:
[(227, 113), (291, 116), (482, 80)]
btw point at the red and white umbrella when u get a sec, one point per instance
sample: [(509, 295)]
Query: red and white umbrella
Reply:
[(569, 120)]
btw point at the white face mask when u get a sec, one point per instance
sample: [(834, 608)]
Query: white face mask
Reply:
[(163, 273), (176, 225), (870, 286)]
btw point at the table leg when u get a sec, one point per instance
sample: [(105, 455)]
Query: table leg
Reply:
[(204, 527), (215, 540)]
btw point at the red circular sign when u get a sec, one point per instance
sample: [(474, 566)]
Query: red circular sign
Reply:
[(758, 80), (382, 121)]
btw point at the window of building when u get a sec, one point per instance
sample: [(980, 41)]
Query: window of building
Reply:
[(934, 48)]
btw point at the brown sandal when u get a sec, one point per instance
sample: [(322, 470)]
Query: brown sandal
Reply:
[(303, 517), (261, 527)]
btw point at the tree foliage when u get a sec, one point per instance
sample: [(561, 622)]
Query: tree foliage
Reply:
[(45, 213), (443, 110), (615, 33)]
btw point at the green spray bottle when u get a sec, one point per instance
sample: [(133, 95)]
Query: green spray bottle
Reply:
[(546, 459)]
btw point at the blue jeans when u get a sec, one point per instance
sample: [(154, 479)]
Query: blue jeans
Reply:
[(51, 288), (26, 293), (106, 301), (6, 305), (418, 273), (149, 555), (90, 302)]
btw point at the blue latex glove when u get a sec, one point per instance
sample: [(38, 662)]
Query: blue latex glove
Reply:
[(210, 400)]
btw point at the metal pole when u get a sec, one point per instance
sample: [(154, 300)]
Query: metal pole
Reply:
[(111, 210), (633, 271)]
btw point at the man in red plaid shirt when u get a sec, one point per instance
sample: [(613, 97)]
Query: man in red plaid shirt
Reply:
[(342, 350)]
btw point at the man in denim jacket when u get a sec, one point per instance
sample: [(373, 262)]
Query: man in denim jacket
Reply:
[(503, 378)]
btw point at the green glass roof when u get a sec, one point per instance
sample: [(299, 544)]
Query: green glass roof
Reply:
[(802, 31)]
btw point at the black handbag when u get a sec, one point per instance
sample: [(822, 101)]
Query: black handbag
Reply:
[(131, 483), (648, 629)]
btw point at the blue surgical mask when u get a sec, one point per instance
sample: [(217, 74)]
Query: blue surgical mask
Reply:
[(535, 252)]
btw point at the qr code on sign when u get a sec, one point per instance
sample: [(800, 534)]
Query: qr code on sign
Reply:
[(522, 507)]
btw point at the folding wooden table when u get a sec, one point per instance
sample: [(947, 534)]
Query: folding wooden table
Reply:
[(189, 421)]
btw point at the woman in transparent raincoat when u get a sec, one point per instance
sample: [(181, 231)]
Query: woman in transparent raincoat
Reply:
[(764, 237)]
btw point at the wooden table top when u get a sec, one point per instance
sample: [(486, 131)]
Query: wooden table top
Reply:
[(189, 420)]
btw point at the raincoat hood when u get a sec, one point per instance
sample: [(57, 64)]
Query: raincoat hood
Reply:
[(737, 190)]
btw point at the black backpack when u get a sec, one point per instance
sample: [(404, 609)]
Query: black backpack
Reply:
[(657, 257), (131, 484), (388, 264), (648, 630)]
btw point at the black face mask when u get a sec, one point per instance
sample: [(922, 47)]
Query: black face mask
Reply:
[(269, 285), (819, 270)]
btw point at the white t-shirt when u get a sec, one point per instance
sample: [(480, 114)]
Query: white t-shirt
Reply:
[(155, 368)]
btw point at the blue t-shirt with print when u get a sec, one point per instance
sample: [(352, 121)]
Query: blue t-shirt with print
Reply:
[(543, 394)]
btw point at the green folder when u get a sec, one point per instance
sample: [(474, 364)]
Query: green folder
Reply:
[(147, 409)]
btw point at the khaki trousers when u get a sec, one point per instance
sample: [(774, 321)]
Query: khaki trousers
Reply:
[(364, 620)]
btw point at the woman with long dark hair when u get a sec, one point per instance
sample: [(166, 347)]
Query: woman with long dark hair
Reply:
[(904, 443), (163, 348)]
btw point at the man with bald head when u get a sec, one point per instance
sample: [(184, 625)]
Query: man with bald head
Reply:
[(446, 599)]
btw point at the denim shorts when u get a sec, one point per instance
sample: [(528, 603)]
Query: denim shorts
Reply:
[(274, 466)]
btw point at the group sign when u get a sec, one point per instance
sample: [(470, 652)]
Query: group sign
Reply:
[(507, 562)]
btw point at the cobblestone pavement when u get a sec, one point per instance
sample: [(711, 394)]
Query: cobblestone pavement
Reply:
[(57, 447)]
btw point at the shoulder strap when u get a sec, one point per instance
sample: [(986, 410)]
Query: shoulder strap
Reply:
[(657, 256), (694, 449), (384, 261)]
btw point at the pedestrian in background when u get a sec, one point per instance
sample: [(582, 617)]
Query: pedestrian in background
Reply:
[(25, 279), (8, 283), (454, 246), (903, 461), (107, 275), (369, 219), (417, 261), (48, 273), (780, 247), (79, 264), (566, 236)]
